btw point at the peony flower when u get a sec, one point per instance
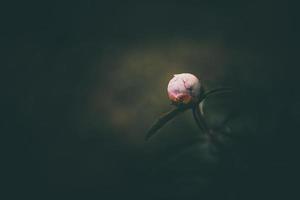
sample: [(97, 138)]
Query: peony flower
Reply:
[(185, 92), (184, 89)]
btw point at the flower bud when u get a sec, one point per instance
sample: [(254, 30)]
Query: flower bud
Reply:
[(184, 89)]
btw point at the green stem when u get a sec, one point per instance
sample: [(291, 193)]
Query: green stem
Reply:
[(214, 91), (163, 119), (200, 121)]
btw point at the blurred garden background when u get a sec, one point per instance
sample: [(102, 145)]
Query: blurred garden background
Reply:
[(85, 80)]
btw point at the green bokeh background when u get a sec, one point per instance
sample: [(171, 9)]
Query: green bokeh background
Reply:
[(85, 80)]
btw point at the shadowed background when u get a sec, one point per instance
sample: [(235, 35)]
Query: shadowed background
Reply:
[(86, 80)]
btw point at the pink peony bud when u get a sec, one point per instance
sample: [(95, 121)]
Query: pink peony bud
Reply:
[(184, 89)]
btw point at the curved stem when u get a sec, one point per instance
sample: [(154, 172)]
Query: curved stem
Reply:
[(163, 119), (196, 113), (200, 121), (215, 91)]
